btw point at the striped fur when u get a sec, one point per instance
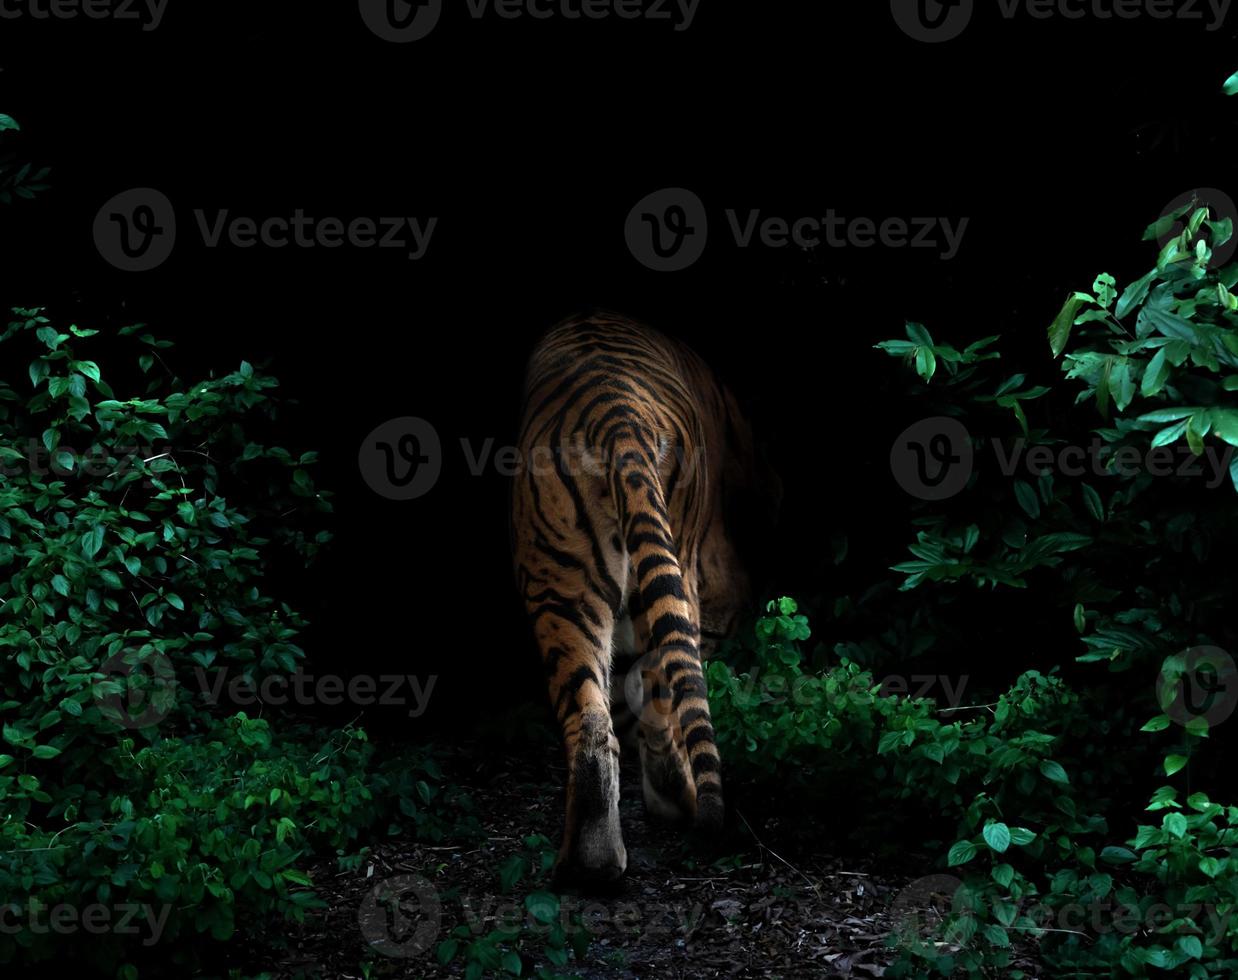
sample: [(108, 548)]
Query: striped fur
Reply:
[(626, 569)]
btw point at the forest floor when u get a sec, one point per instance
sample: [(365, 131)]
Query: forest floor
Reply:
[(777, 904)]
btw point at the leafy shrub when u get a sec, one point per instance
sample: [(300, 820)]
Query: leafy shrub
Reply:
[(1032, 792), (136, 531)]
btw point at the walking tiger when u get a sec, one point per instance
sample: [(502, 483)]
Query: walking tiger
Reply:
[(624, 557)]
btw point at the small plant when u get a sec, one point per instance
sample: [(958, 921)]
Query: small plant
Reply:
[(17, 180), (531, 930)]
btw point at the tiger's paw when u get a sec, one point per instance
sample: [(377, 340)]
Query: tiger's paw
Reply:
[(595, 871)]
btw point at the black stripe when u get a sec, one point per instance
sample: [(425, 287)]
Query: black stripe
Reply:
[(669, 623)]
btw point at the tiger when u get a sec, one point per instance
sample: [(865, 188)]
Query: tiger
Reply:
[(633, 452)]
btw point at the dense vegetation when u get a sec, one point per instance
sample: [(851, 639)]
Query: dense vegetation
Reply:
[(1031, 793), (1071, 811)]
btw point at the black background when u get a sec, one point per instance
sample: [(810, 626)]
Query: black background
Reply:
[(530, 141)]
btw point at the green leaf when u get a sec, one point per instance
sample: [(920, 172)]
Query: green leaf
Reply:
[(996, 935), (1163, 415), (1117, 855), (1229, 88), (1225, 425), (960, 853), (510, 872), (92, 541), (542, 906), (1169, 434), (997, 836), (1174, 763), (1103, 287), (918, 334), (1093, 502), (1059, 329), (88, 368), (1053, 772), (1027, 498), (446, 951), (1133, 295), (1155, 375)]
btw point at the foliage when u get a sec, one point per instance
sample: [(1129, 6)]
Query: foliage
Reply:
[(529, 931), (1031, 800), (17, 179), (136, 533)]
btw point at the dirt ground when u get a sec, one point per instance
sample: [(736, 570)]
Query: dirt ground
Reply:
[(778, 905)]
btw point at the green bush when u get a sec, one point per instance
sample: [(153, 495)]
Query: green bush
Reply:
[(1028, 798), (136, 535)]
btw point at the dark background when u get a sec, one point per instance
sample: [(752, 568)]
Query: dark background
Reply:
[(531, 141)]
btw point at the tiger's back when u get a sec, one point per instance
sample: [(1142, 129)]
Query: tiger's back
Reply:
[(619, 541)]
